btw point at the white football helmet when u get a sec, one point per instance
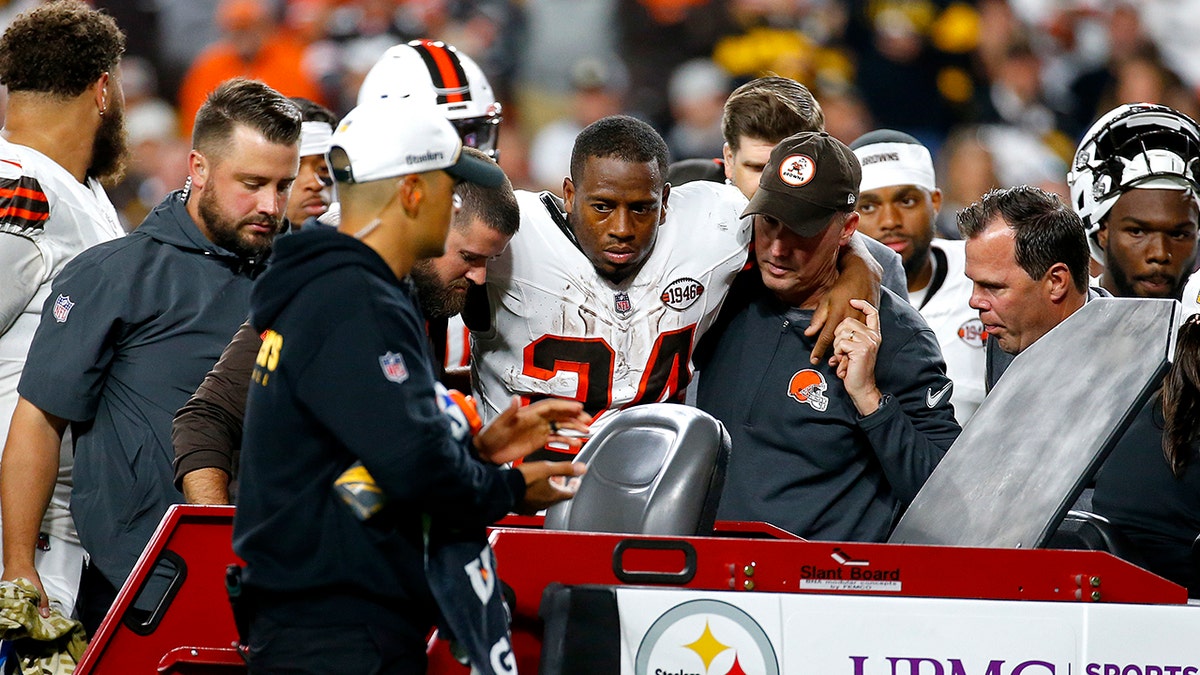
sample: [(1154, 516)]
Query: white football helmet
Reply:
[(447, 77), (1136, 145)]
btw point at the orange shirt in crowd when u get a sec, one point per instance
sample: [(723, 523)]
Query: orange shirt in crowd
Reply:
[(278, 63)]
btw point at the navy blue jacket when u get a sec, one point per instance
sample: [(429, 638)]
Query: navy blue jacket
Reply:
[(128, 332), (803, 458), (344, 375)]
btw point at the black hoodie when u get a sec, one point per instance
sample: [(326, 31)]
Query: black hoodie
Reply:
[(344, 375)]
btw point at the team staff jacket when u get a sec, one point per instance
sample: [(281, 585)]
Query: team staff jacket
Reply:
[(344, 375), (208, 428), (207, 433), (558, 329), (803, 458), (128, 332), (46, 219)]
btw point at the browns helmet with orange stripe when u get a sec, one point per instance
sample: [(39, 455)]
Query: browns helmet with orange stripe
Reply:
[(446, 76)]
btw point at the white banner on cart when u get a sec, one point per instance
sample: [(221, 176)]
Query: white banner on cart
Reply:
[(690, 632), (666, 632)]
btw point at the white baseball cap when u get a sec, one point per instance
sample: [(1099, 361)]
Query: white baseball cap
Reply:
[(385, 138), (893, 158)]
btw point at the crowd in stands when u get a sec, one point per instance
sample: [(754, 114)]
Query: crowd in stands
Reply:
[(999, 90)]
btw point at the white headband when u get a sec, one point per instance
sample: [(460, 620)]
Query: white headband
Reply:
[(887, 164), (314, 138)]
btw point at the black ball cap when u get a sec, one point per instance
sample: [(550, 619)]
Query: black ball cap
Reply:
[(810, 177)]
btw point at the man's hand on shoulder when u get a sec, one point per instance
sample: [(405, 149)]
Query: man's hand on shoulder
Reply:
[(859, 278)]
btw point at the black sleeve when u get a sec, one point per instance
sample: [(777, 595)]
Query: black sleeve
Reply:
[(370, 384), (911, 432), (207, 432), (894, 278), (75, 343)]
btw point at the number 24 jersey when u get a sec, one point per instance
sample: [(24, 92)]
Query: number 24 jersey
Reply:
[(559, 329)]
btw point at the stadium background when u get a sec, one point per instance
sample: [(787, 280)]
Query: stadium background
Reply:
[(1001, 90)]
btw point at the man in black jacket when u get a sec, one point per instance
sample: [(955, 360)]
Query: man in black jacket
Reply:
[(833, 450), (343, 379)]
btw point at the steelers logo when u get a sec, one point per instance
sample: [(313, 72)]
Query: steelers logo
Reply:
[(706, 637), (796, 170)]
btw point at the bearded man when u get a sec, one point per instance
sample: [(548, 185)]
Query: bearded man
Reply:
[(129, 329)]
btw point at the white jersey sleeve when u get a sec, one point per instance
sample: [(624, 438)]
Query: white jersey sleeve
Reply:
[(22, 259), (1191, 297), (458, 343), (41, 203), (558, 329)]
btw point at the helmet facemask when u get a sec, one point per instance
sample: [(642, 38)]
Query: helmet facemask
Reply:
[(481, 133)]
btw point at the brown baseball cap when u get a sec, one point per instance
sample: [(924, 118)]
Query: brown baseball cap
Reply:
[(809, 177)]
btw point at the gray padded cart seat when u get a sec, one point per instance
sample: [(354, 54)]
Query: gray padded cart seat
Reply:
[(653, 469)]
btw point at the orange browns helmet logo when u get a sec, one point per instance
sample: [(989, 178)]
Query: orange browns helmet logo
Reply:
[(808, 386), (973, 333), (796, 170)]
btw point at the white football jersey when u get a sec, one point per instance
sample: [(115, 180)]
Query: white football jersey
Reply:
[(1191, 296), (959, 331), (43, 203), (559, 329)]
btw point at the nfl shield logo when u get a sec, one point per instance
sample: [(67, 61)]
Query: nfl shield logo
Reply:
[(621, 303), (393, 367), (62, 307)]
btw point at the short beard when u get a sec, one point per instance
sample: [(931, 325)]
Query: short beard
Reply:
[(1124, 285), (1119, 280), (226, 233), (922, 249), (916, 261), (437, 301), (110, 148)]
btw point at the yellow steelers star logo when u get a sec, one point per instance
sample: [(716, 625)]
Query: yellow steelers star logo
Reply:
[(707, 646)]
